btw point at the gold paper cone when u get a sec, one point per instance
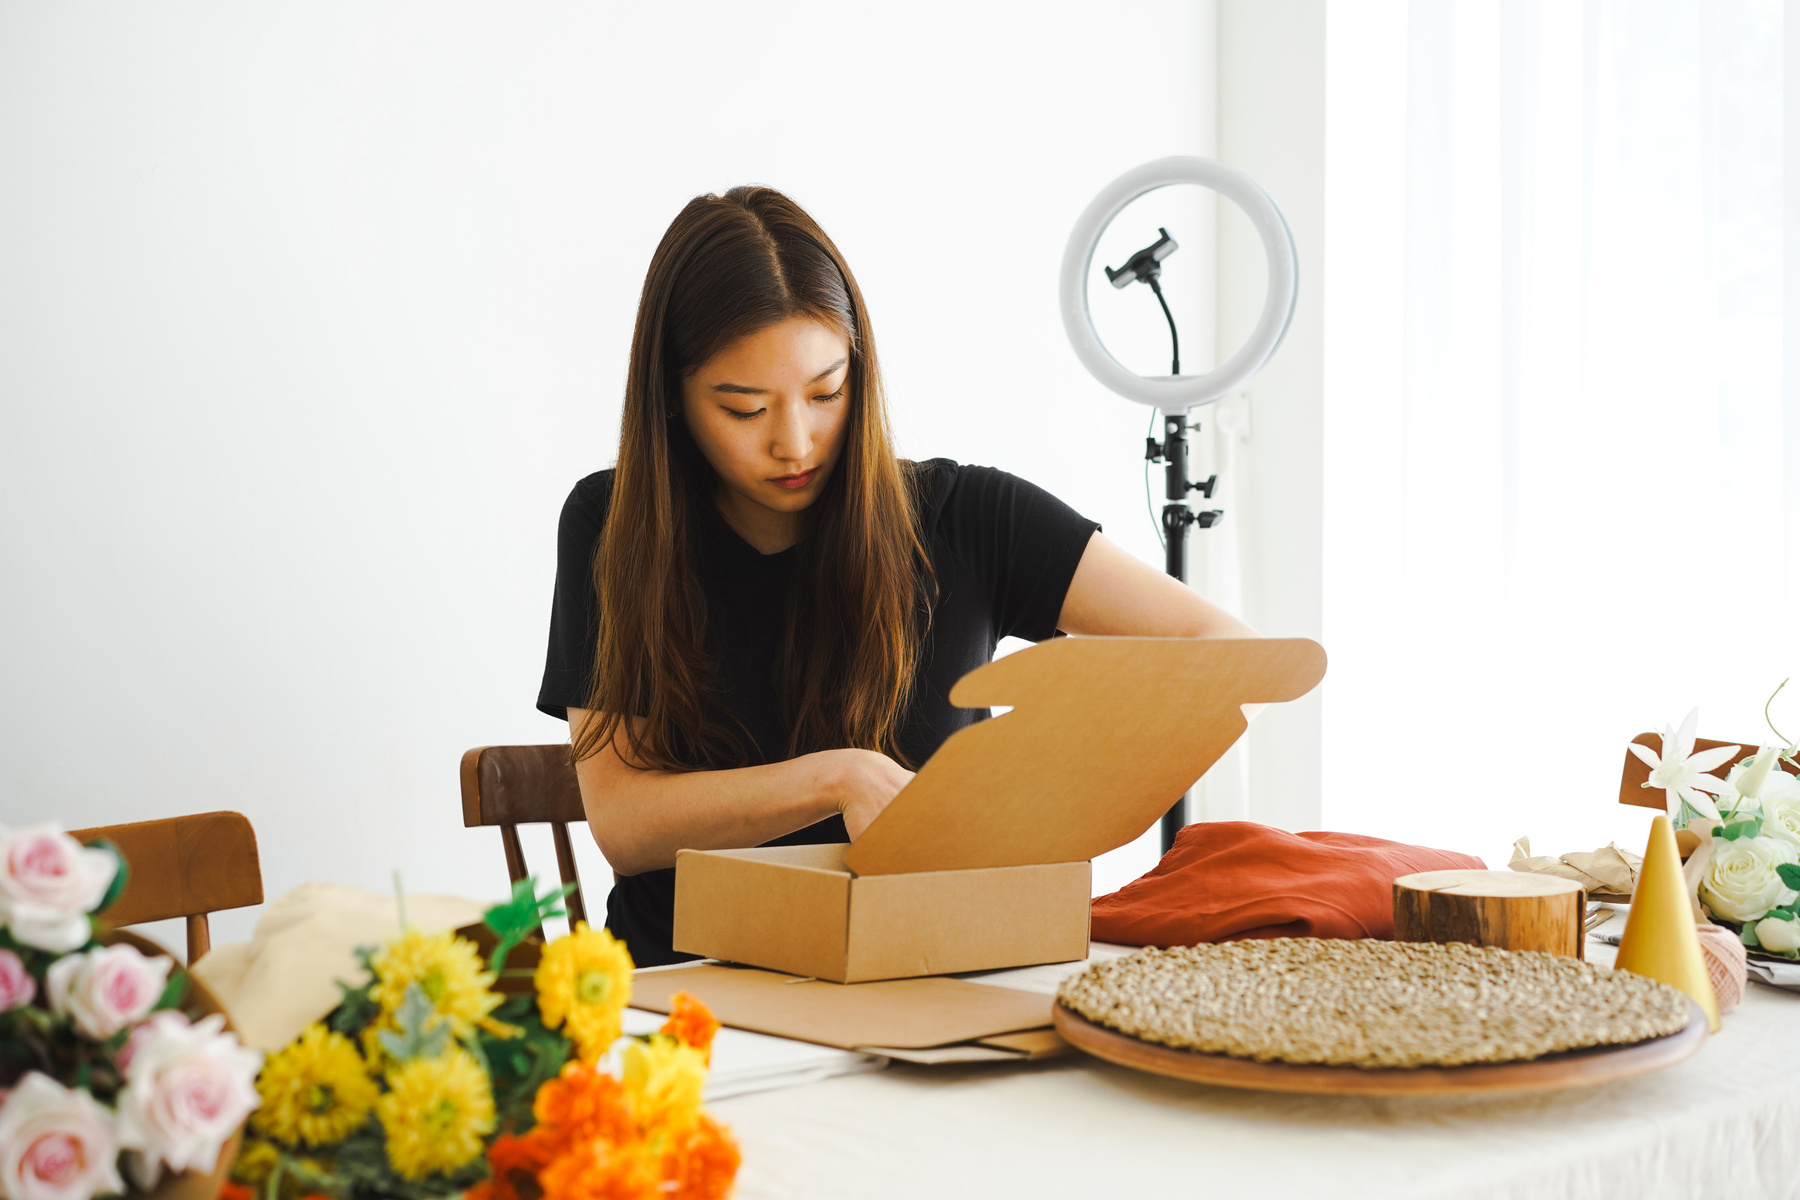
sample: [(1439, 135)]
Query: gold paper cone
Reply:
[(1659, 940)]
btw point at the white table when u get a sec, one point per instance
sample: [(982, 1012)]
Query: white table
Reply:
[(1725, 1123)]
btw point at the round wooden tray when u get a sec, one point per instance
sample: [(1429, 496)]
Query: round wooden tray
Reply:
[(1574, 1068)]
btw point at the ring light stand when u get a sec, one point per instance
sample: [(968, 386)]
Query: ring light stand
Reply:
[(1175, 395)]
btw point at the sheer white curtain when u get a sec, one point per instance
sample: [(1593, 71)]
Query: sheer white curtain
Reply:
[(1555, 432)]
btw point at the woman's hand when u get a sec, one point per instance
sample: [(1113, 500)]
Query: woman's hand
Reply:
[(861, 783)]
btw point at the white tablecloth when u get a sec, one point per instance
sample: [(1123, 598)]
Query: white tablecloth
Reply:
[(1726, 1123)]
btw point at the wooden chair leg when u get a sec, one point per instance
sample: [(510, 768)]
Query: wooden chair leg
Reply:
[(515, 853), (565, 865), (199, 938)]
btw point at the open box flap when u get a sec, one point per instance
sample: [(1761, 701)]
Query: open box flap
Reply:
[(1105, 734)]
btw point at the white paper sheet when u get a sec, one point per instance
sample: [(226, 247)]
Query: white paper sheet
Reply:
[(745, 1062)]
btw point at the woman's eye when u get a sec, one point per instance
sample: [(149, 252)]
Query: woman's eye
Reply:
[(745, 416), (837, 395)]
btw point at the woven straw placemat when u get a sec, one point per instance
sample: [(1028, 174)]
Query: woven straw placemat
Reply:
[(1371, 1003)]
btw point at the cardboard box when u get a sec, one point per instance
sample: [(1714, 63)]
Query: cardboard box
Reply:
[(982, 861), (919, 1020)]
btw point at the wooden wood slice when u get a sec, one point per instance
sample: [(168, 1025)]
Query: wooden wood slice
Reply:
[(1507, 909), (1576, 1068)]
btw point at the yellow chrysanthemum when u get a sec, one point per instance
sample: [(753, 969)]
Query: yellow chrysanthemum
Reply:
[(663, 1080), (436, 1114), (315, 1090), (583, 984), (447, 968), (254, 1162)]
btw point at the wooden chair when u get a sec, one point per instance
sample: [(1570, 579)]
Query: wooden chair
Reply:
[(510, 786), (184, 867), (1636, 774)]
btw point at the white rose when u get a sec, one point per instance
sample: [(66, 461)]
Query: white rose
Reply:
[(1741, 883), (49, 883), (187, 1089), (56, 1143), (1777, 935), (1781, 819), (107, 988)]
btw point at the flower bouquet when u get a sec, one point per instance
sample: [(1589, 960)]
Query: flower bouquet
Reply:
[(103, 1075), (444, 1073), (1746, 869)]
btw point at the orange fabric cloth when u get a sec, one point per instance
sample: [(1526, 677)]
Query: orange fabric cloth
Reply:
[(1224, 880)]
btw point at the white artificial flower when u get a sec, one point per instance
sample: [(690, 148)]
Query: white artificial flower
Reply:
[(187, 1089), (1756, 779), (1681, 773), (107, 988), (1778, 936), (56, 1143), (49, 883), (1781, 822), (1741, 883)]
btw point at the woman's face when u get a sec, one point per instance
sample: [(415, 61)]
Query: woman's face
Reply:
[(768, 412)]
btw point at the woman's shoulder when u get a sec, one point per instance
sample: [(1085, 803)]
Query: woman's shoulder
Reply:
[(590, 498), (584, 513), (946, 487)]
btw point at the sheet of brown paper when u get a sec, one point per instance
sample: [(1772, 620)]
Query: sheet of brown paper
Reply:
[(1608, 873), (905, 1014)]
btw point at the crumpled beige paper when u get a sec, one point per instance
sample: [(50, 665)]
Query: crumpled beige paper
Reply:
[(1608, 873), (285, 977)]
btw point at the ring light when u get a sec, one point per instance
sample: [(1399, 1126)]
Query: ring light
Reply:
[(1177, 393)]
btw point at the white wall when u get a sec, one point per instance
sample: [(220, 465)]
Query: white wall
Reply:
[(1272, 125), (310, 316)]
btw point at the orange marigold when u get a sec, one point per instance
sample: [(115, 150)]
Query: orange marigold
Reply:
[(692, 1022), (703, 1162), (513, 1164), (602, 1171), (233, 1190), (582, 1104)]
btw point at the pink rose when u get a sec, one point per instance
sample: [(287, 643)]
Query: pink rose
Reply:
[(49, 883), (106, 989), (188, 1088), (56, 1144), (17, 987)]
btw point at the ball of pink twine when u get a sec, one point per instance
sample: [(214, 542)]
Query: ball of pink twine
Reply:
[(1726, 963)]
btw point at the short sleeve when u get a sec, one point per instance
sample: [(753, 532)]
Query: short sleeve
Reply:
[(574, 610), (1021, 541)]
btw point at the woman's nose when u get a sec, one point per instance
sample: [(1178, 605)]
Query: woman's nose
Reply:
[(791, 438)]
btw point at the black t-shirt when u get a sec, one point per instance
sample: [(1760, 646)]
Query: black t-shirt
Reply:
[(1003, 551)]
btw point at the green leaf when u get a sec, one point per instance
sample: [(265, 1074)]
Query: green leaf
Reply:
[(355, 1011), (1748, 936), (1790, 874), (518, 1066), (520, 917), (420, 1035), (1748, 828), (121, 877), (173, 992)]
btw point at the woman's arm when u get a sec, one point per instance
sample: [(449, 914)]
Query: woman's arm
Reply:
[(641, 818), (1115, 594)]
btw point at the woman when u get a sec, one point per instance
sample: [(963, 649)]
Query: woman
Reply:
[(760, 611)]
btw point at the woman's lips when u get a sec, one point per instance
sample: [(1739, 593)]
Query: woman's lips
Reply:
[(794, 483)]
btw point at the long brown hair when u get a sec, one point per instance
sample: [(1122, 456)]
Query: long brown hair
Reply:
[(727, 267)]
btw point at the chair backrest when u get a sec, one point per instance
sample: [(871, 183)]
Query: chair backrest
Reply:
[(510, 786), (1637, 774), (184, 867)]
